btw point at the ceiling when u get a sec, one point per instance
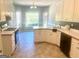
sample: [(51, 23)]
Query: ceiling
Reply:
[(37, 2)]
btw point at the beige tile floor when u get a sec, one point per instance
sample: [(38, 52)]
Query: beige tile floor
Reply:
[(39, 50), (26, 48)]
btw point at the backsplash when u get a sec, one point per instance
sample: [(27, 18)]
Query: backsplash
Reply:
[(2, 23), (75, 25)]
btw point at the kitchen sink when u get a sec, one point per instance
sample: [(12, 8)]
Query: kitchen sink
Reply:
[(10, 29)]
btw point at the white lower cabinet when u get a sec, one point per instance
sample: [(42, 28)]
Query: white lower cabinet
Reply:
[(40, 35), (47, 35), (8, 44), (36, 35), (0, 45), (53, 37), (74, 52)]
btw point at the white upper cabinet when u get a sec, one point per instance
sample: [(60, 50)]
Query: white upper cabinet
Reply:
[(6, 8), (59, 12), (76, 10), (68, 9)]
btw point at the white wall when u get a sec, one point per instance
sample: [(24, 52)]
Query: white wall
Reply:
[(54, 7)]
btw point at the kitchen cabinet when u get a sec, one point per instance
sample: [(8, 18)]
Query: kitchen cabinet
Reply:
[(53, 37), (76, 10), (2, 10), (74, 52), (47, 35), (59, 12), (6, 8), (68, 9), (40, 35), (8, 44), (0, 45), (65, 11), (69, 42)]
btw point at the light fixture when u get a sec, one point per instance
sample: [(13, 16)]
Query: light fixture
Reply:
[(33, 6)]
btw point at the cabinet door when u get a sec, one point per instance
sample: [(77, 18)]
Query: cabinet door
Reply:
[(40, 35), (76, 10), (7, 44), (0, 9), (2, 4), (74, 52), (59, 12), (37, 34), (53, 37), (68, 9), (43, 35), (0, 45), (9, 7), (6, 8), (13, 42)]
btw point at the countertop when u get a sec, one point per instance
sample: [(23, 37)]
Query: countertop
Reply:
[(39, 28), (8, 32), (72, 32)]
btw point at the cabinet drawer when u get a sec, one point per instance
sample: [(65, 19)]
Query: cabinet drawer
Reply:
[(74, 48), (74, 51), (51, 33), (75, 42)]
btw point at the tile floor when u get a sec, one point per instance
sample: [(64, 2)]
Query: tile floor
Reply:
[(26, 48)]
